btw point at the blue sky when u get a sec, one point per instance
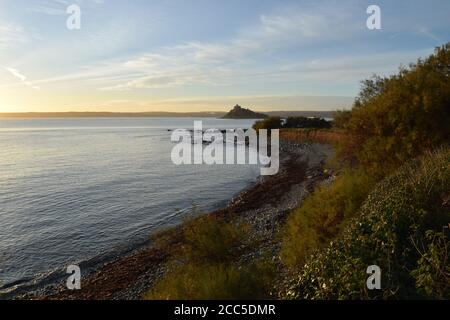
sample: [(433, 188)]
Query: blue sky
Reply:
[(145, 55)]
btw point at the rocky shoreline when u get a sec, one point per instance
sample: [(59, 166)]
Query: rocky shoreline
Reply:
[(264, 207)]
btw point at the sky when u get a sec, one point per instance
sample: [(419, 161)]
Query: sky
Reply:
[(206, 55)]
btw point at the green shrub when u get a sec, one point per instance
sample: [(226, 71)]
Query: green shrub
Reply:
[(393, 232), (269, 123), (432, 274), (216, 281), (323, 215), (341, 118), (210, 239), (292, 123), (304, 122), (206, 264), (398, 118)]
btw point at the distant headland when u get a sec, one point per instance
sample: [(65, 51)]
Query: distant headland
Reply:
[(156, 114), (242, 113)]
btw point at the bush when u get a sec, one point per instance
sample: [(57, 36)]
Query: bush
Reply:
[(304, 122), (396, 231), (323, 215), (207, 265), (398, 118), (210, 239), (341, 118), (433, 272), (216, 281), (292, 123), (269, 123)]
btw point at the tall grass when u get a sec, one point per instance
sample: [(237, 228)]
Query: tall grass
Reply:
[(323, 215), (328, 136), (207, 264), (193, 281)]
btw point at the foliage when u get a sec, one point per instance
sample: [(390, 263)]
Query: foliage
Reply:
[(304, 122), (341, 118), (403, 211), (209, 239), (268, 123), (291, 123), (323, 215), (432, 274), (207, 265), (399, 117), (215, 281)]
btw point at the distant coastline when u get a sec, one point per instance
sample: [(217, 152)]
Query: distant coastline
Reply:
[(204, 114)]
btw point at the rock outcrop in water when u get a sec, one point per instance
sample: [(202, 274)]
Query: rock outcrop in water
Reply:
[(242, 113)]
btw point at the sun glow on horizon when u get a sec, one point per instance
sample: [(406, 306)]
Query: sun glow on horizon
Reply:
[(271, 55)]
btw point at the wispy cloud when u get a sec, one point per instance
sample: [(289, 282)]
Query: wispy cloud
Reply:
[(11, 35), (426, 32), (235, 61), (23, 79), (16, 73), (57, 7), (49, 7), (208, 103), (216, 63)]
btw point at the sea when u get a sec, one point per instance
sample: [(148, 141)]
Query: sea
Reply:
[(86, 190)]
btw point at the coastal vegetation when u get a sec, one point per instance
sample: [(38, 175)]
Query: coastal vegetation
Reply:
[(402, 227), (323, 215), (208, 264), (375, 213), (327, 136), (387, 203), (292, 122), (268, 124)]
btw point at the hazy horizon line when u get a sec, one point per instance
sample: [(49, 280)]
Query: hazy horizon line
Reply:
[(143, 113)]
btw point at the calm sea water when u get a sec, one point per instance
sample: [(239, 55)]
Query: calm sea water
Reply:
[(72, 190)]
